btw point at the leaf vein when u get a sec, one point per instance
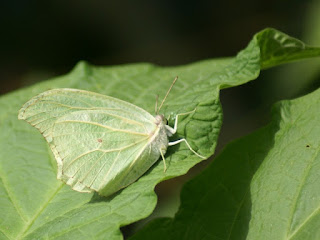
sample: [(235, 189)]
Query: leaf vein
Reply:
[(41, 209), (12, 198), (297, 196)]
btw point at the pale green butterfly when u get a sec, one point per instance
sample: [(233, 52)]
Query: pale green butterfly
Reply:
[(100, 143)]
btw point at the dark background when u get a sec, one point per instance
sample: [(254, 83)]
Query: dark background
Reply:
[(40, 39), (43, 39)]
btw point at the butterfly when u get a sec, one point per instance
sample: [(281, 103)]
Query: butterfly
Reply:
[(100, 143)]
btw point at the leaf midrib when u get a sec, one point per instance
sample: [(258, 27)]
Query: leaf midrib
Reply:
[(11, 198), (296, 198), (238, 211), (41, 209)]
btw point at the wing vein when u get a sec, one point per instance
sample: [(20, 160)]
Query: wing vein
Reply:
[(107, 172), (80, 156), (103, 126), (76, 99), (104, 151), (96, 161), (97, 108)]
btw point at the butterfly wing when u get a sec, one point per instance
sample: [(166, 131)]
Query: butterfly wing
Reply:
[(95, 139)]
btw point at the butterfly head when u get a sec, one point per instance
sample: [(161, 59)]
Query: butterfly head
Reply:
[(160, 120)]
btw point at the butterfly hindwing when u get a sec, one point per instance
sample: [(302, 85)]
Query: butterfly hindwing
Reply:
[(94, 149)]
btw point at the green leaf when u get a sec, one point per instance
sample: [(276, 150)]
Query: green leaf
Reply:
[(35, 205), (309, 70), (277, 48), (263, 186)]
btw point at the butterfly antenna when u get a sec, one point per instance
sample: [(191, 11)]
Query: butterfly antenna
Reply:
[(156, 106), (174, 81)]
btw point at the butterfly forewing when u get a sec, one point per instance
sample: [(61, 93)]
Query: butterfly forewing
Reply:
[(43, 110)]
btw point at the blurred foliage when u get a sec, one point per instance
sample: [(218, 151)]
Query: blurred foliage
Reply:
[(52, 36)]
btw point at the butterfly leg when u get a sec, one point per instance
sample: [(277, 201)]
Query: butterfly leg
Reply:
[(174, 129), (164, 161), (184, 140)]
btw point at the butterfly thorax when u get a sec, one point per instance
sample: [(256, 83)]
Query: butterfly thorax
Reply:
[(160, 122), (160, 136)]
